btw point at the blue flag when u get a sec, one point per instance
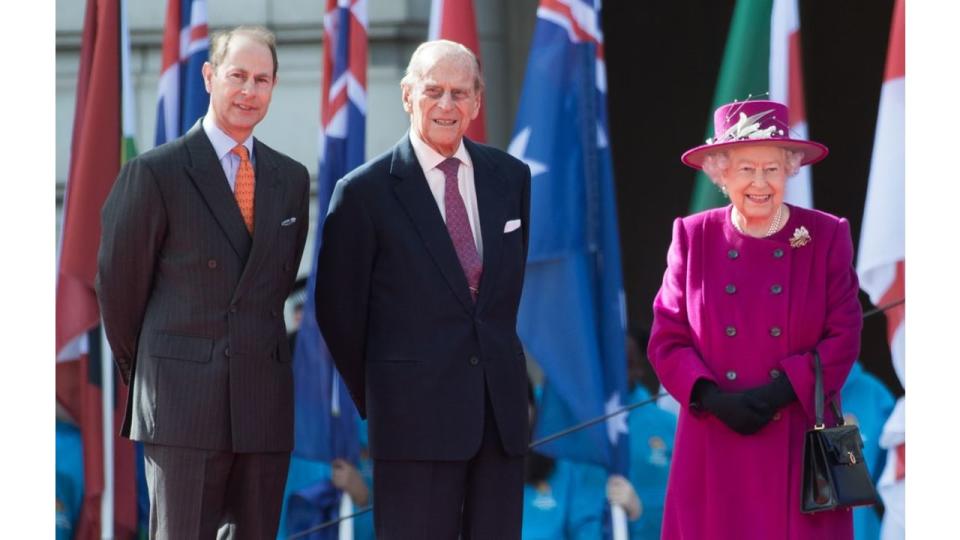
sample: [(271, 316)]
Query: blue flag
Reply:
[(326, 420), (572, 317), (182, 98)]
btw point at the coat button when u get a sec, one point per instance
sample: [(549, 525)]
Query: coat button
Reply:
[(776, 288), (474, 360), (233, 308), (273, 313), (731, 375), (731, 331), (776, 415), (777, 253), (775, 331), (730, 288), (226, 352), (212, 263), (733, 254), (774, 373), (286, 267)]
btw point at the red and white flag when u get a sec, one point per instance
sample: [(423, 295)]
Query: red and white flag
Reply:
[(882, 259), (455, 20), (95, 156), (786, 86)]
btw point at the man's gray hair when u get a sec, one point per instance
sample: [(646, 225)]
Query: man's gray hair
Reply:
[(221, 41), (430, 51)]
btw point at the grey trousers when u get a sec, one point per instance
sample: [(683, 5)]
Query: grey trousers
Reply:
[(196, 493)]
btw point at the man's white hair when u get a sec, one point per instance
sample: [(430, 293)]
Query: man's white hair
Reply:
[(429, 52)]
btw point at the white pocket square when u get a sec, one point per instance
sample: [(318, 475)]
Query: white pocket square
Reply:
[(287, 222), (511, 226)]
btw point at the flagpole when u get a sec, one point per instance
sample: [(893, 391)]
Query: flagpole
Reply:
[(618, 517), (106, 377)]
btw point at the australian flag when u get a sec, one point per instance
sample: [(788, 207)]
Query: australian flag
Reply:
[(572, 314), (326, 420), (182, 98)]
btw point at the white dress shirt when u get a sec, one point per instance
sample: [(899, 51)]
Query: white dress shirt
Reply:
[(222, 145), (429, 159)]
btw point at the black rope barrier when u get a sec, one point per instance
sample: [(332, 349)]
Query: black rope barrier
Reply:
[(562, 433)]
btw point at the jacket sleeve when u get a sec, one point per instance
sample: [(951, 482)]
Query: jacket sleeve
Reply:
[(134, 224), (344, 270), (839, 343), (671, 349)]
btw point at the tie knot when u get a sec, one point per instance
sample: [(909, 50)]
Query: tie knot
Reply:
[(449, 167), (241, 151)]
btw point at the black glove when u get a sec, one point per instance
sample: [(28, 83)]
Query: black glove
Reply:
[(776, 394), (741, 412)]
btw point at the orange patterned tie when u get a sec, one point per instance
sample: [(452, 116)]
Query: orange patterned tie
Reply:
[(243, 186)]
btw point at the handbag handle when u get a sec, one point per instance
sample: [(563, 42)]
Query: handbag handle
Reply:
[(818, 395)]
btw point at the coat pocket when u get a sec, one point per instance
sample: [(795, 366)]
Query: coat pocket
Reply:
[(190, 348)]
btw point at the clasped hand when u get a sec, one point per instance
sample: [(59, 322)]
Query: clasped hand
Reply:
[(744, 412)]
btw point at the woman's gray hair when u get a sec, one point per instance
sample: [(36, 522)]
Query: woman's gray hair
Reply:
[(429, 52), (715, 164)]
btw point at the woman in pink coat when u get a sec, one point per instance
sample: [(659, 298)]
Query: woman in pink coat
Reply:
[(749, 292)]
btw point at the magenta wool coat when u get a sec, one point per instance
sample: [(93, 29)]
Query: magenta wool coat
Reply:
[(741, 311)]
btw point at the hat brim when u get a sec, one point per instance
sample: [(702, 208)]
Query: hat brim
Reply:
[(812, 151)]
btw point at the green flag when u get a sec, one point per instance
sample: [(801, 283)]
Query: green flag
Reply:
[(743, 73)]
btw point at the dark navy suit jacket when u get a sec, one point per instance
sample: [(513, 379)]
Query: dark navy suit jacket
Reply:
[(415, 351)]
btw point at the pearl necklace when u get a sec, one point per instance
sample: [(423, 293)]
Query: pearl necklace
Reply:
[(774, 226)]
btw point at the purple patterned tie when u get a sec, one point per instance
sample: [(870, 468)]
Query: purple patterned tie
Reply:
[(458, 225)]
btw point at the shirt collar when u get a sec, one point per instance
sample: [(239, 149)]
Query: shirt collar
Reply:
[(430, 158), (223, 143)]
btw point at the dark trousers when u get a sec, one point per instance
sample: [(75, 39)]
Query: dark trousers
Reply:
[(196, 493), (477, 499)]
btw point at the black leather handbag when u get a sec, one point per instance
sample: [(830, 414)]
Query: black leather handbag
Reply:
[(834, 473)]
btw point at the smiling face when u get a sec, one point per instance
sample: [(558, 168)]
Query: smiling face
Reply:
[(240, 86), (755, 179), (443, 100)]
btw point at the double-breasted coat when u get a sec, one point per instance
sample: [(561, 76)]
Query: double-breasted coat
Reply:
[(741, 311), (193, 304)]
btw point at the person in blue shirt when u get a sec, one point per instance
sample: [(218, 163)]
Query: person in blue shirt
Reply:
[(867, 403), (69, 475), (651, 440), (311, 495)]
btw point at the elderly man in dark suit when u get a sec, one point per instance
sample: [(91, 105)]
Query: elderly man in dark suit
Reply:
[(202, 239), (418, 285)]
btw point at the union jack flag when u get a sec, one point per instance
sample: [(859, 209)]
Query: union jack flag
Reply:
[(182, 98), (326, 421)]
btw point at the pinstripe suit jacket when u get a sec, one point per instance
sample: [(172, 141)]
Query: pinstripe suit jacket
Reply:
[(193, 306)]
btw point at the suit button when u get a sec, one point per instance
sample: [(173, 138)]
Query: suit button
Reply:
[(731, 375), (474, 360), (233, 308), (776, 288), (776, 415), (212, 263), (273, 313), (774, 373), (286, 267), (733, 254), (775, 331), (777, 253), (730, 288), (731, 331), (226, 352)]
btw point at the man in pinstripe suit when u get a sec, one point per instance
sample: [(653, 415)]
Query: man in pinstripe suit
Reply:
[(191, 285)]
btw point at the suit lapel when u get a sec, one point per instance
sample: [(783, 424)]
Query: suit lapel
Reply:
[(267, 201), (490, 197), (415, 196), (207, 174)]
